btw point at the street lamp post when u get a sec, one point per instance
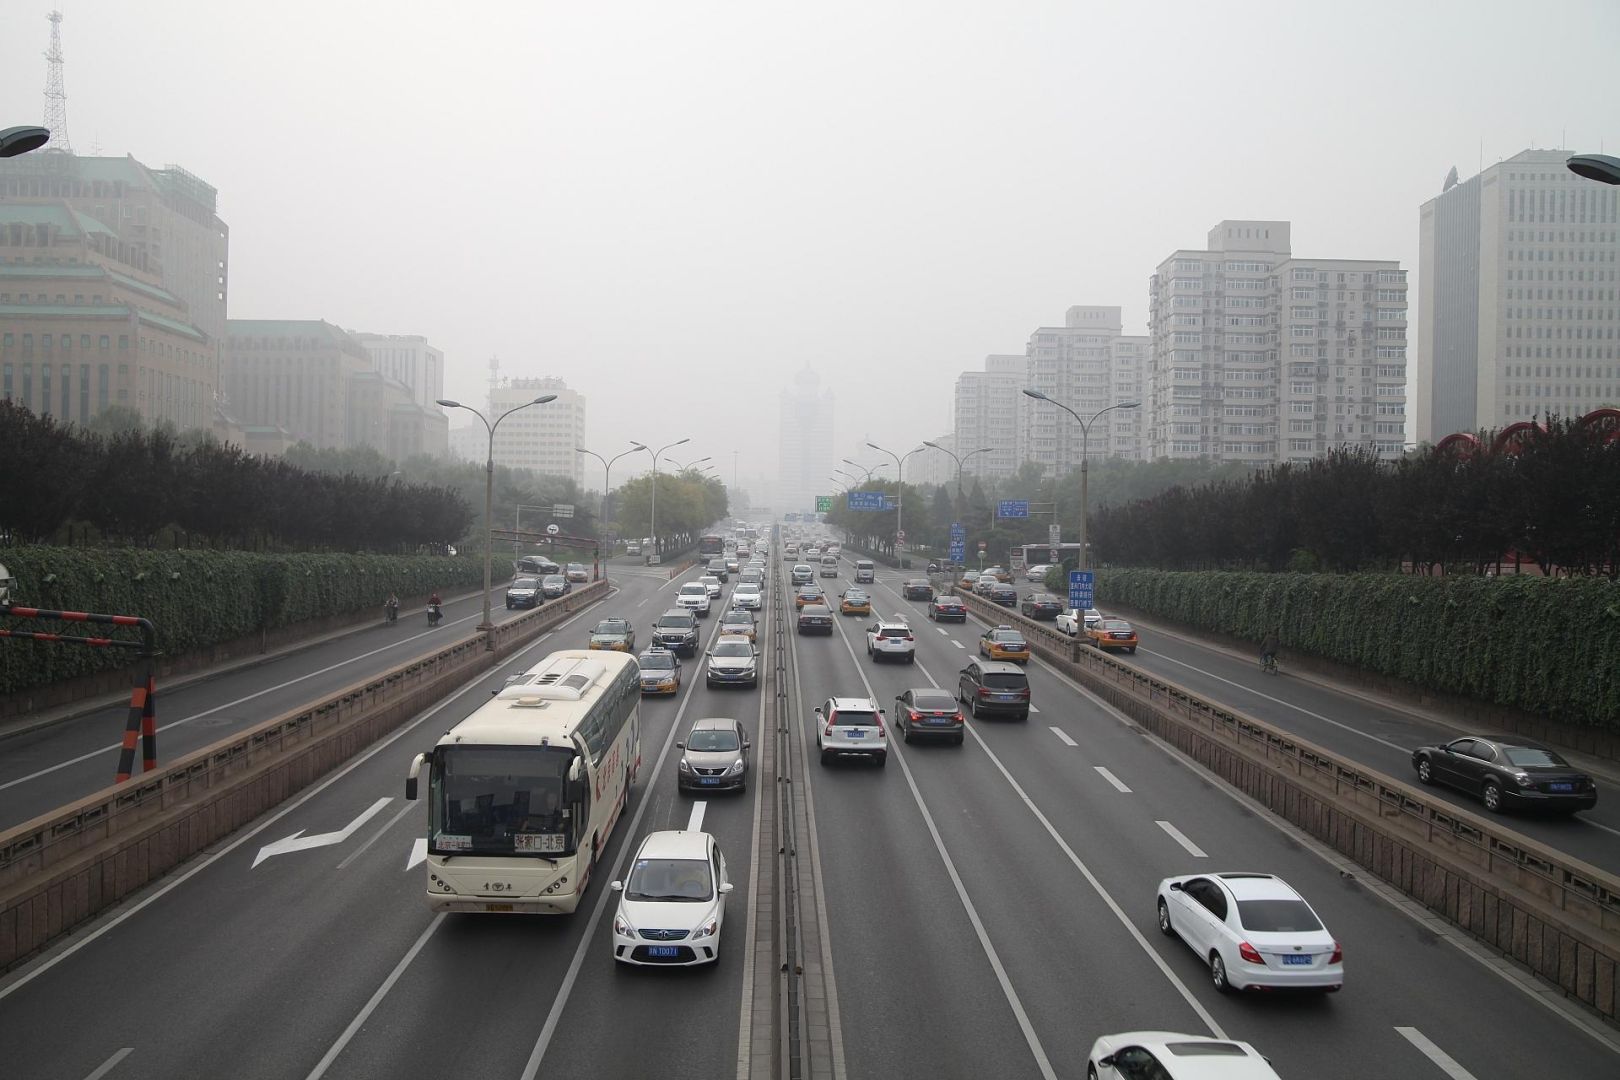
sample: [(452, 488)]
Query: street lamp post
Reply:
[(1603, 168), (1085, 440), (15, 141), (864, 469), (960, 461), (489, 495), (607, 485), (682, 468), (652, 525), (899, 498)]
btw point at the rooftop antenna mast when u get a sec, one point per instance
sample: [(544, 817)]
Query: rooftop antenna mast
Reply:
[(55, 93), (494, 379)]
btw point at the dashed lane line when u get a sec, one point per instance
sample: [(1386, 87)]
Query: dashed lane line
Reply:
[(1181, 838)]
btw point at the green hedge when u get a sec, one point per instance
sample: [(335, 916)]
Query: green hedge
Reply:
[(1549, 646), (201, 598)]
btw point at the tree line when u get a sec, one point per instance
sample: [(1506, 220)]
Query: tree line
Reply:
[(133, 486)]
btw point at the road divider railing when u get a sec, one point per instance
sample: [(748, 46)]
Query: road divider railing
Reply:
[(1552, 912), (64, 867)]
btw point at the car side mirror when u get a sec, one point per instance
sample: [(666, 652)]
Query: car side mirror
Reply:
[(725, 887), (1106, 1062), (616, 886), (818, 712), (747, 745), (1175, 886), (680, 746)]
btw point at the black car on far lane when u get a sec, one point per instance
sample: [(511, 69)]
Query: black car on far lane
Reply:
[(1505, 771), (1041, 605), (917, 589), (1005, 595), (947, 609)]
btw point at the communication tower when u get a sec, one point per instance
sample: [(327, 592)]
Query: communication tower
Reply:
[(55, 93)]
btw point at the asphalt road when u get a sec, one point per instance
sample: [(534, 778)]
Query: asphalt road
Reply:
[(989, 910), (1360, 728), (54, 766)]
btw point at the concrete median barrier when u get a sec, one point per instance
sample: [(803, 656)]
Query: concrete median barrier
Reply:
[(63, 868), (1557, 915)]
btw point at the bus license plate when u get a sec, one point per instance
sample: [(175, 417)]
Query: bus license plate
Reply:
[(663, 950), (497, 907)]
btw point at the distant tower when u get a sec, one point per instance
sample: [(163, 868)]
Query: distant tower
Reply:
[(55, 93), (494, 379)]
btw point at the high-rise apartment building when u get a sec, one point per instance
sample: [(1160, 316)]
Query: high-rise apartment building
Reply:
[(804, 443), (1261, 357), (933, 466), (1519, 315), (987, 409), (1088, 364), (407, 359), (542, 438)]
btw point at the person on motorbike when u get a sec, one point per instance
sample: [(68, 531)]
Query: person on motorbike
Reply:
[(391, 606), (433, 599), (433, 608), (1268, 651)]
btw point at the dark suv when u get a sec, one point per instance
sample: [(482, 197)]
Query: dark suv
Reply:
[(677, 631), (994, 688)]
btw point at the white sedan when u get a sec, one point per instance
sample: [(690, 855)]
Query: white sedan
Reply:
[(1168, 1056), (673, 907), (1071, 622), (1253, 930), (1037, 572), (747, 595)]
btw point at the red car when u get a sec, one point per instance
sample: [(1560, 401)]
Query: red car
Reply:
[(947, 609)]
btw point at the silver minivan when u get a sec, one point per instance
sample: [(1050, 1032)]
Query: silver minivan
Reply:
[(865, 572), (829, 566), (802, 574)]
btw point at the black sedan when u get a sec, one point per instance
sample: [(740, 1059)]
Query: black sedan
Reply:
[(947, 609), (1041, 605), (1505, 771), (815, 619), (1005, 595), (917, 589)]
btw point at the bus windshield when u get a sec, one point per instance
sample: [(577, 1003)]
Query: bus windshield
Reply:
[(501, 800)]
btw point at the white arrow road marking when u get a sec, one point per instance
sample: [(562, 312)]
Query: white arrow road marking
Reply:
[(1181, 838), (1064, 735), (299, 842), (695, 822), (418, 853), (1119, 784)]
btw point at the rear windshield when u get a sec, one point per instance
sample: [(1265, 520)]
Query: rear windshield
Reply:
[(1528, 755), (846, 718), (894, 631), (862, 564), (1277, 916), (1006, 680), (933, 699), (525, 583)]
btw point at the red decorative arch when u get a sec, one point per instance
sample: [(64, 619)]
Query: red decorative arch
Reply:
[(1462, 444), (1508, 439)]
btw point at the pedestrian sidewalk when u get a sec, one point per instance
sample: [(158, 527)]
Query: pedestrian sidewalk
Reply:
[(63, 714)]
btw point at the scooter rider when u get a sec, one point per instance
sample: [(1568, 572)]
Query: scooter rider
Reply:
[(391, 606), (434, 604)]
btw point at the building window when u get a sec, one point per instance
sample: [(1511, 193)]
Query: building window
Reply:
[(106, 343)]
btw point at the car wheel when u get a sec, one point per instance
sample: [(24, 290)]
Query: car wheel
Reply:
[(973, 707), (1024, 715), (1131, 650), (905, 733), (1091, 1071), (1493, 796), (958, 740), (883, 759), (1164, 920), (1217, 973), (1425, 771), (826, 757), (911, 658)]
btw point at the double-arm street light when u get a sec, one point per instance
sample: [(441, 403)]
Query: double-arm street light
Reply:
[(607, 486), (1085, 439), (489, 495), (899, 497), (690, 464), (652, 525), (960, 461), (864, 469)]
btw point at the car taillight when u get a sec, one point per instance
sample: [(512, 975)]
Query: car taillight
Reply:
[(829, 730), (913, 715), (984, 691), (882, 731), (910, 638), (1250, 953), (1338, 954), (1024, 693)]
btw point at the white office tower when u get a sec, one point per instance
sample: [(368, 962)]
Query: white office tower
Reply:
[(805, 443)]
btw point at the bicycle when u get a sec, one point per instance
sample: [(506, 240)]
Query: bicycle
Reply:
[(1268, 664)]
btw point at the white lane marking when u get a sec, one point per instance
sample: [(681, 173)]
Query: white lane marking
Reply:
[(942, 631), (418, 854), (299, 842), (1595, 825), (1033, 709), (1405, 750), (107, 1066), (1119, 785), (1092, 879), (1426, 1046), (694, 823), (376, 748), (1064, 735), (532, 1068), (378, 835), (958, 644), (376, 999), (644, 599), (1017, 1005), (1181, 838)]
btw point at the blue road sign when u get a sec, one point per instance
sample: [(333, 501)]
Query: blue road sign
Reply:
[(866, 500), (958, 532), (1012, 508), (958, 551), (1080, 589), (890, 502)]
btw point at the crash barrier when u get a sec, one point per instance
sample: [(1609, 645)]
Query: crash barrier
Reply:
[(1555, 914), (64, 867)]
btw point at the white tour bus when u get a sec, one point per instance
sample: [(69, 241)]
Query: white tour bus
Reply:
[(524, 793)]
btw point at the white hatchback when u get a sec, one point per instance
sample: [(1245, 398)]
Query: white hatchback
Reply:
[(851, 727), (1171, 1056), (673, 906), (1253, 930)]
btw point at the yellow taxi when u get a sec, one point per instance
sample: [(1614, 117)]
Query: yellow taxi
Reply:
[(660, 672), (1003, 575), (616, 635), (1112, 634), (738, 621), (1004, 643), (855, 602), (809, 594)]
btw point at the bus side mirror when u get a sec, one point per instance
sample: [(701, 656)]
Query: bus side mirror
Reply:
[(416, 770)]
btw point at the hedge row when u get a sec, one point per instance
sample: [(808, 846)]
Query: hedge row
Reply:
[(200, 598), (1549, 646)]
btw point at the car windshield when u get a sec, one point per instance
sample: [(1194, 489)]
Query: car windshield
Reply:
[(673, 880), (657, 661), (501, 800), (855, 597), (709, 579), (705, 740), (1277, 916), (555, 579), (675, 622), (525, 583), (692, 588), (612, 626), (811, 610), (1005, 680), (1530, 755), (1114, 624), (933, 699), (576, 566), (734, 648)]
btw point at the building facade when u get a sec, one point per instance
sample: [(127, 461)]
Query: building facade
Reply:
[(1260, 357), (1518, 317), (84, 325), (543, 438), (805, 456), (988, 404), (407, 359), (1088, 364)]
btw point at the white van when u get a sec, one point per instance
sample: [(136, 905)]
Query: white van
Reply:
[(829, 566), (865, 572)]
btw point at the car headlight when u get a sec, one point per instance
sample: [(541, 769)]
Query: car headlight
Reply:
[(684, 766), (622, 927), (1522, 779), (710, 927), (736, 767)]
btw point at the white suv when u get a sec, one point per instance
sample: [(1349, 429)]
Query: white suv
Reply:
[(694, 595), (891, 639), (851, 727)]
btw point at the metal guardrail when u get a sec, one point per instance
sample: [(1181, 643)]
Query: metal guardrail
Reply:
[(1570, 885)]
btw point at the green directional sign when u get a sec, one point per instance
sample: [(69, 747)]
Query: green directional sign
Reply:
[(824, 504)]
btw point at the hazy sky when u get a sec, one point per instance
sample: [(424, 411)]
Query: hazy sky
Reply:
[(674, 205)]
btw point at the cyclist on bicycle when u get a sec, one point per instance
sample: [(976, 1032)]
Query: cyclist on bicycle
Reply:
[(1268, 650)]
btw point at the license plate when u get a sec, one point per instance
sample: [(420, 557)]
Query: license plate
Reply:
[(1300, 960), (497, 907), (709, 780), (1006, 697), (855, 734), (663, 950), (1560, 787), (940, 719)]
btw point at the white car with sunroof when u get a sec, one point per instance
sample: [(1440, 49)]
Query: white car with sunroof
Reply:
[(1253, 930), (1168, 1055), (672, 907)]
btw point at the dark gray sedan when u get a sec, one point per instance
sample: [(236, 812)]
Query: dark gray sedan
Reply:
[(1505, 771)]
